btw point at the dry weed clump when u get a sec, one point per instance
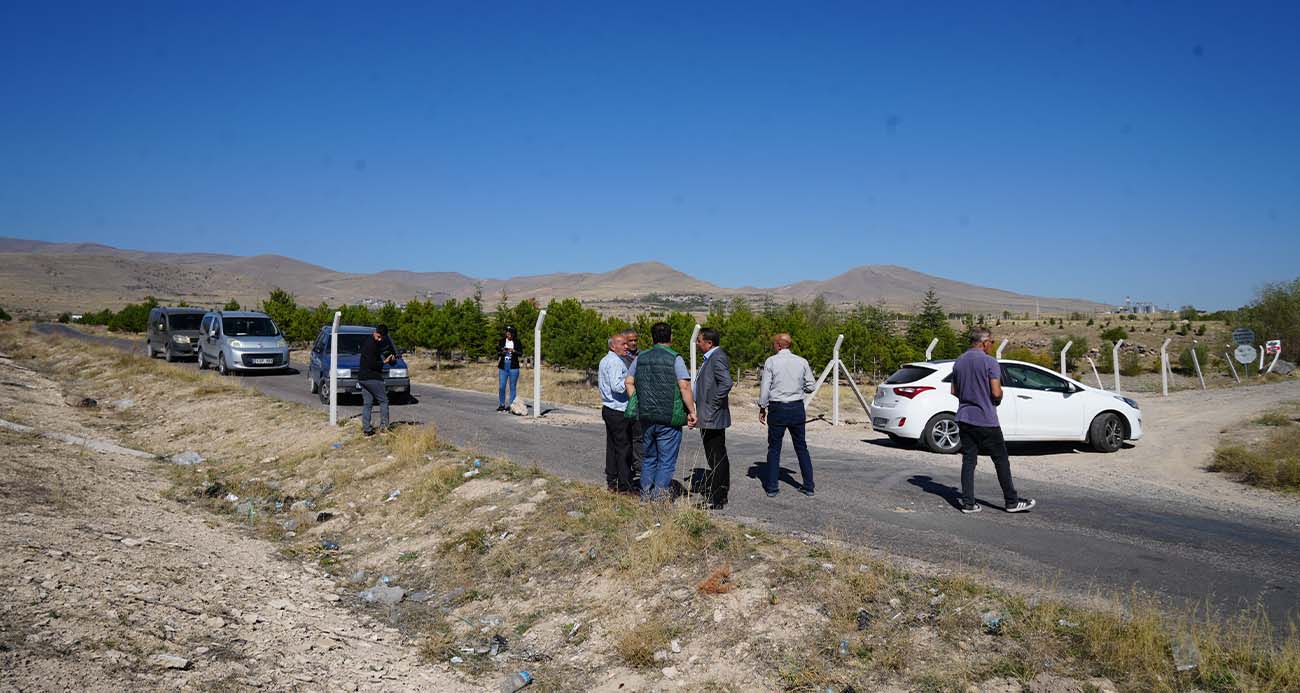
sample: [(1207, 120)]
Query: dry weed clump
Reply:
[(637, 646), (718, 581), (410, 444)]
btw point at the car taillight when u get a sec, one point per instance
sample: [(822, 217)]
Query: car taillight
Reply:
[(910, 392)]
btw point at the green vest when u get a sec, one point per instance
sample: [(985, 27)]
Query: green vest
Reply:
[(658, 398)]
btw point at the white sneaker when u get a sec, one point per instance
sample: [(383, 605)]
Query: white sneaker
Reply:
[(1022, 505)]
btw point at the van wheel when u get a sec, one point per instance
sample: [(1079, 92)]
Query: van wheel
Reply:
[(203, 366), (311, 382), (1106, 434), (222, 368), (941, 434), (324, 389), (168, 356)]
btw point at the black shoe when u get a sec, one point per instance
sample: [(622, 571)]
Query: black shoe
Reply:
[(1021, 505), (807, 492), (368, 432), (971, 508), (500, 408)]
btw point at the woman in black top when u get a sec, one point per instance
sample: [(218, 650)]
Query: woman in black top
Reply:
[(508, 351)]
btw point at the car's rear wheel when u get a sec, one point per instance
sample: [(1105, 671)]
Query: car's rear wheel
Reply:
[(222, 368), (941, 434), (1106, 434)]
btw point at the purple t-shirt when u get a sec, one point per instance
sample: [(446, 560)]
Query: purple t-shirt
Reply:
[(971, 374)]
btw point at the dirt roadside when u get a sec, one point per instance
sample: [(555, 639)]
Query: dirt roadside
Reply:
[(109, 586)]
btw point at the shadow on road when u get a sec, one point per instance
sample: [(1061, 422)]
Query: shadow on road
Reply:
[(755, 471), (1013, 449)]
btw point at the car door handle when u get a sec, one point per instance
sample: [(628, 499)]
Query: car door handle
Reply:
[(1024, 396)]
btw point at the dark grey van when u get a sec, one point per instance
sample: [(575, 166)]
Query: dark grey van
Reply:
[(173, 332)]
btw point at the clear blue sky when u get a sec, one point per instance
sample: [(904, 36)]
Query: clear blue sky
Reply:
[(1094, 150)]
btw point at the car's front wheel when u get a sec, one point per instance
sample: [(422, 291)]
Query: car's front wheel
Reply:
[(1106, 434), (222, 368), (311, 383), (941, 434), (324, 390)]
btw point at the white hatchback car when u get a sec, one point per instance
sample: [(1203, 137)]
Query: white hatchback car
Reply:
[(916, 404)]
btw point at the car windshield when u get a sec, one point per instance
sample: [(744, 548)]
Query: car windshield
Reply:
[(351, 343), (249, 327), (908, 374), (185, 321)]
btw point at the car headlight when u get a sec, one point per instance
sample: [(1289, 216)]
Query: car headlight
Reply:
[(236, 344), (344, 372), (280, 343), (397, 372), (1128, 400), (180, 339)]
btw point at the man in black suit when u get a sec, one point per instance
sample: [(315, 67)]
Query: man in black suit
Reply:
[(713, 414)]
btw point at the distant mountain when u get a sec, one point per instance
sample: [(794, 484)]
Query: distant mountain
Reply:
[(37, 275)]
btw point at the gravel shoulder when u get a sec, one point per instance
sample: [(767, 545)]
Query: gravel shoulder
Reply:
[(108, 585)]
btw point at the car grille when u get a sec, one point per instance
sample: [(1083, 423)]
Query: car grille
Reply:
[(260, 360)]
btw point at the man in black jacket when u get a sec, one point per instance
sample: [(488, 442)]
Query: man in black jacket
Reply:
[(713, 414), (370, 376)]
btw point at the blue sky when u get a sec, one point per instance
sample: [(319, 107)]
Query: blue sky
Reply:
[(1078, 149)]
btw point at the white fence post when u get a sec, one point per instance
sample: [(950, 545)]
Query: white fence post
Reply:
[(1063, 352), (694, 333), (930, 349), (537, 365), (1095, 374), (1261, 362), (1273, 362), (1164, 367), (835, 382), (1228, 357), (1114, 363), (334, 369), (1001, 346), (1196, 361)]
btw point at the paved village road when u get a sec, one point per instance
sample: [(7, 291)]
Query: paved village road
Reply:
[(1078, 539)]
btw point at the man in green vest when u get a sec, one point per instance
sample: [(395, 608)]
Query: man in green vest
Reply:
[(659, 391)]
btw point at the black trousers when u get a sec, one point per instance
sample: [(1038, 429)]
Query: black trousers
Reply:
[(618, 449), (718, 481), (984, 440)]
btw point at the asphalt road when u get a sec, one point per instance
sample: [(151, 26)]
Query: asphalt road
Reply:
[(1078, 539)]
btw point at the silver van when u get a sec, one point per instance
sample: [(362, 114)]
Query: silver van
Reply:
[(173, 332), (241, 340)]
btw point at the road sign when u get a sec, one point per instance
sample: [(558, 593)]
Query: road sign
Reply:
[(1243, 335), (1273, 346), (1245, 354)]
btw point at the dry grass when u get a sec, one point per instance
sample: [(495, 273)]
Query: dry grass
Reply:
[(718, 581), (1266, 454), (637, 646)]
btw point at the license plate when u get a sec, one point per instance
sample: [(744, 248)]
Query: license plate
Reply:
[(880, 421), (263, 362)]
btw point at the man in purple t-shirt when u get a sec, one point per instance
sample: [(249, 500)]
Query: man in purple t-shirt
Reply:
[(977, 385)]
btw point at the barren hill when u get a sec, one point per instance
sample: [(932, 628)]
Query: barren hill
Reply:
[(51, 277)]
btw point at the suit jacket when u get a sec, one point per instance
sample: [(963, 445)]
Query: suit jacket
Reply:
[(712, 387)]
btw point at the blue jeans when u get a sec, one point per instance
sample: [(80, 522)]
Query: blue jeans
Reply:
[(661, 444), (783, 416), (506, 376)]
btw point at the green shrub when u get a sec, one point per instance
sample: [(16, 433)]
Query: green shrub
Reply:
[(1029, 356), (4, 315), (1114, 334), (1185, 363)]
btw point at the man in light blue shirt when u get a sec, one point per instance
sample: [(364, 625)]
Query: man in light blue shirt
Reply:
[(618, 428)]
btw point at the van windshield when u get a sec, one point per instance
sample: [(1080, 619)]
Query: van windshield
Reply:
[(249, 327), (184, 321)]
